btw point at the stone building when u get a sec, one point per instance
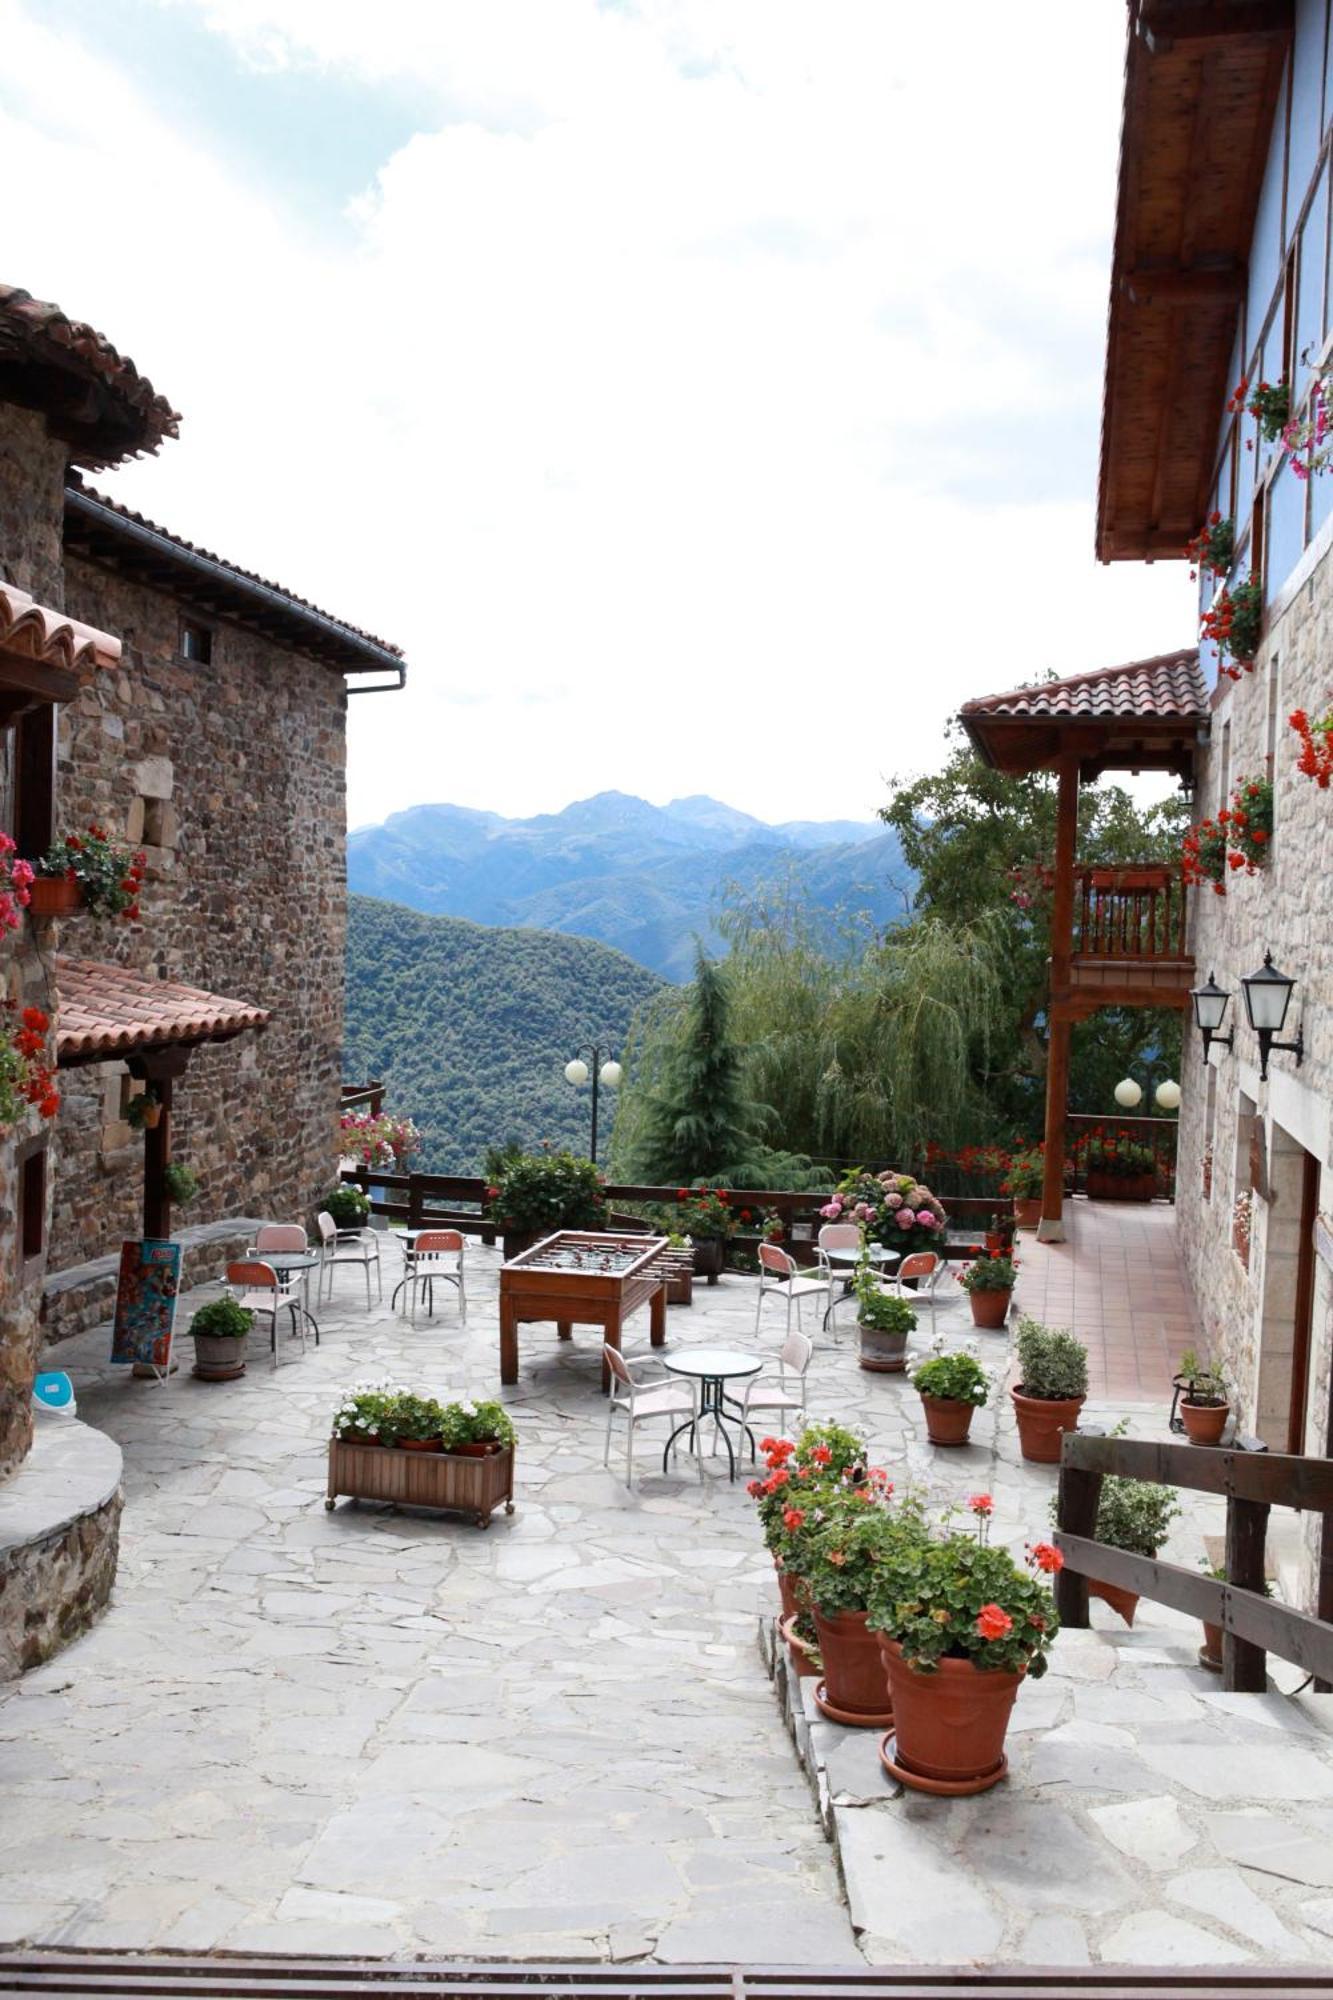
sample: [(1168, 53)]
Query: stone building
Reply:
[(198, 712)]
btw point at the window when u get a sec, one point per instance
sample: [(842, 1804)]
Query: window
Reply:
[(1224, 767), (196, 643), (32, 1202), (27, 780)]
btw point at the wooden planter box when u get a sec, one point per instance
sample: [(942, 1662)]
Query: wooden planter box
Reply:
[(679, 1268), (1120, 1187), (455, 1482)]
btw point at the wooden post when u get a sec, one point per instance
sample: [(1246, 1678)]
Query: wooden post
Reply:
[(1078, 1499), (1051, 1228), (1245, 1666), (160, 1068)]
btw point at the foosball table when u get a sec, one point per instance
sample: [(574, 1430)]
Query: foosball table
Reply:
[(582, 1278)]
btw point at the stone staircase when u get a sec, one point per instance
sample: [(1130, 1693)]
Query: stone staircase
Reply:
[(1148, 1818)]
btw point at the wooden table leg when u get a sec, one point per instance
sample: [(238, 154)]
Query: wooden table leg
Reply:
[(564, 1329), (508, 1344), (657, 1320)]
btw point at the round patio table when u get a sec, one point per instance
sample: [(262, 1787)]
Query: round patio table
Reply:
[(407, 1238), (846, 1260), (284, 1262), (712, 1368)]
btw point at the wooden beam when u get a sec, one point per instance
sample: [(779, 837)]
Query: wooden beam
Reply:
[(1244, 1667), (22, 674), (1175, 284), (156, 1159), (1161, 28), (1275, 1477), (1051, 1227)]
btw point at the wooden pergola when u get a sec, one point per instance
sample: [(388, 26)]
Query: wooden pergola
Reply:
[(1121, 943), (108, 1013)]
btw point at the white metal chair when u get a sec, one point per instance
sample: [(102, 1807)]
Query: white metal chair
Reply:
[(271, 1239), (260, 1290), (764, 1394), (921, 1264), (641, 1400), (836, 1236), (346, 1246), (436, 1254), (781, 1279)]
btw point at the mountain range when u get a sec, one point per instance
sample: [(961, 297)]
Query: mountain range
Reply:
[(645, 879)]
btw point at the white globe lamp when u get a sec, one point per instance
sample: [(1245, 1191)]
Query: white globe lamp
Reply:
[(1167, 1095), (576, 1072), (610, 1073), (1128, 1094)]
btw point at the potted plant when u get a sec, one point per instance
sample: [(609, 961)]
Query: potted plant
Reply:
[(220, 1331), (181, 1183), (960, 1625), (989, 1284), (1204, 1403), (1203, 856), (348, 1205), (1000, 1234), (358, 1417), (885, 1320), (1135, 1515), (1249, 823), (1118, 1167), (893, 1209), (476, 1429), (85, 869), (847, 1538), (535, 1194), (472, 1475), (709, 1220), (1210, 1653), (1024, 1180), (823, 1455), (1052, 1387), (951, 1387), (144, 1111), (413, 1423), (802, 1642)]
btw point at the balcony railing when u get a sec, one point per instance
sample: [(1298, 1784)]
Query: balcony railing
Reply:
[(1130, 913)]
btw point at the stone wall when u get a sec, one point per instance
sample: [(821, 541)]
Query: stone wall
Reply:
[(1286, 908), (32, 506), (59, 1540), (231, 776)]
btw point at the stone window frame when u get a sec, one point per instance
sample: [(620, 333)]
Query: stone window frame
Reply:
[(31, 1186), (195, 640)]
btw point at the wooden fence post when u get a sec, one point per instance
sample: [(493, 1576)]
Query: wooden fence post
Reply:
[(1244, 1665), (415, 1201), (1076, 1514)]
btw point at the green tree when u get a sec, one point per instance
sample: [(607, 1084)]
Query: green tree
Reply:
[(980, 841), (697, 1122)]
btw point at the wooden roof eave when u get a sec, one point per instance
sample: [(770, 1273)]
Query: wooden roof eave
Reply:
[(1018, 746)]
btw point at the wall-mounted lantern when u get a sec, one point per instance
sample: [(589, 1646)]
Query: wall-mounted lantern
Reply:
[(1267, 997), (1210, 1005)]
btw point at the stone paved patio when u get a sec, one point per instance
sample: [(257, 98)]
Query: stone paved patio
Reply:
[(362, 1732)]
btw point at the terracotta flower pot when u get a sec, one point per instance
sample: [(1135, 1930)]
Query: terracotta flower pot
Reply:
[(421, 1444), (882, 1353), (54, 896), (989, 1309), (804, 1656), (1204, 1422), (1027, 1214), (949, 1725), (1126, 1602), (482, 1450), (1042, 1423), (151, 1117), (1120, 1187), (947, 1422), (1210, 1653), (855, 1687), (708, 1255), (786, 1590)]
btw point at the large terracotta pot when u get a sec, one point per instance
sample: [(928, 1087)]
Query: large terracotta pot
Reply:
[(1120, 1187), (1204, 1422), (1210, 1653), (1027, 1214), (1042, 1423), (803, 1655), (947, 1422), (1126, 1602), (709, 1252), (949, 1726), (219, 1357), (989, 1309), (882, 1353), (786, 1590), (855, 1687), (54, 896)]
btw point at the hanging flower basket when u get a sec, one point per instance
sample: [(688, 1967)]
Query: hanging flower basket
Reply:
[(1316, 758), (1233, 623), (1249, 824), (1214, 547)]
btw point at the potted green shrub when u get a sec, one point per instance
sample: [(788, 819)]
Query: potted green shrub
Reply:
[(1204, 1402), (536, 1194), (989, 1284), (707, 1217), (1023, 1180), (960, 1625), (1052, 1388), (884, 1320), (1136, 1515), (455, 1457), (951, 1388), (348, 1205), (143, 1113), (476, 1429), (220, 1330)]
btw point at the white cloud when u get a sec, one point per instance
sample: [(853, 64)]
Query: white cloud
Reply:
[(707, 400)]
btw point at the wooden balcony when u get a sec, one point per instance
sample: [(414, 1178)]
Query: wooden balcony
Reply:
[(1129, 939)]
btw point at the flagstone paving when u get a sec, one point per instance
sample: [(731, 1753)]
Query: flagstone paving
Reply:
[(368, 1732)]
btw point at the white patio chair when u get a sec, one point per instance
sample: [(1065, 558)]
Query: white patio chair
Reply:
[(836, 1236), (767, 1394), (437, 1254), (782, 1280), (921, 1264), (271, 1239), (640, 1400), (346, 1246), (259, 1289)]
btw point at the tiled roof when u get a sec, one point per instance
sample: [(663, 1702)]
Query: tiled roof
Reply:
[(107, 530), (93, 397), (109, 1011), (28, 628), (1167, 688)]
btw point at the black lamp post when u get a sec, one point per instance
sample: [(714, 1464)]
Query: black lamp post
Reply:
[(609, 1073), (1267, 997), (1210, 1005)]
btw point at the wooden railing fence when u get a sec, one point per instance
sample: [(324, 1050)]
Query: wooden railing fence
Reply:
[(1159, 1133), (363, 1097), (1253, 1482), (1134, 913)]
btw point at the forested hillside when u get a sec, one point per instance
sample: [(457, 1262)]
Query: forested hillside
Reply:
[(471, 1027)]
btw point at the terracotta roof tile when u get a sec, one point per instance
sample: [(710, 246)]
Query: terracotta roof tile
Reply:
[(109, 1010), (1168, 688), (44, 355), (29, 628)]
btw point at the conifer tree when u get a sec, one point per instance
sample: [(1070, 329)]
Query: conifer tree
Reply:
[(698, 1124)]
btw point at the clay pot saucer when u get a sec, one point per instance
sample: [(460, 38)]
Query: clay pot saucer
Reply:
[(850, 1718), (943, 1788)]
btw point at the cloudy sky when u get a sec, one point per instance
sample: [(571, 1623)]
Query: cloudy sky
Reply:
[(704, 393)]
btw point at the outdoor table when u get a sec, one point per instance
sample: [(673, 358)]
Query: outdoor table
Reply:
[(883, 1258), (712, 1368), (582, 1278), (408, 1239), (284, 1262)]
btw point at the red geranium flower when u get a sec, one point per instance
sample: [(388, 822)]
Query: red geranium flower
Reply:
[(1046, 1556), (993, 1622)]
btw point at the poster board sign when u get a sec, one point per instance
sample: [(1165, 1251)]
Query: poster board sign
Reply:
[(146, 1304)]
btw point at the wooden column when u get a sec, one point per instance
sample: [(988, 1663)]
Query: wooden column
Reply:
[(1245, 1665), (1051, 1228), (160, 1068)]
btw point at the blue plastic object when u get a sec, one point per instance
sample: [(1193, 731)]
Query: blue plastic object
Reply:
[(54, 1390)]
